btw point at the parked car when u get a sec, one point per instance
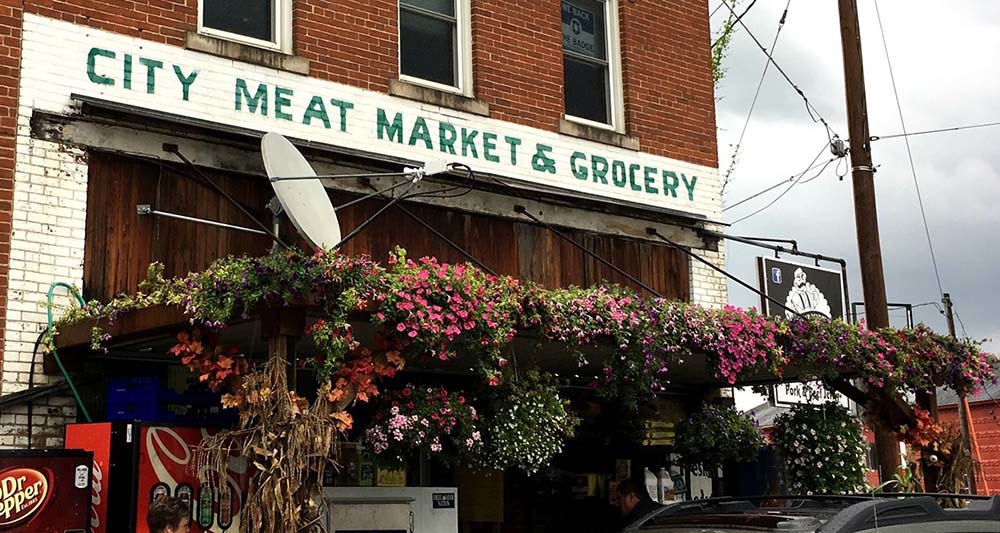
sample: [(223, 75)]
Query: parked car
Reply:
[(887, 513)]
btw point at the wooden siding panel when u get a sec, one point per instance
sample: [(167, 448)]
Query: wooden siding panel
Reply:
[(120, 245)]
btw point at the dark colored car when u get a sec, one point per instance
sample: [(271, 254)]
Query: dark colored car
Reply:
[(896, 513)]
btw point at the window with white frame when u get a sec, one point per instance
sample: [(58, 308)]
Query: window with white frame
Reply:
[(435, 44), (263, 23), (591, 59)]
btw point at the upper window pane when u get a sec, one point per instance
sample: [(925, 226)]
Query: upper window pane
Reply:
[(250, 18), (583, 28), (427, 48), (444, 7), (586, 90), (586, 69)]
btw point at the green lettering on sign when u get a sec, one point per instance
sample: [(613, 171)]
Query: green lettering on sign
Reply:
[(541, 160), (689, 185), (618, 174), (281, 100), (151, 66), (469, 142), (514, 142), (599, 168), (447, 135), (127, 72), (421, 133), (92, 66), (648, 177), (670, 183), (632, 169), (394, 131), (316, 109), (186, 81), (344, 106), (490, 146), (579, 171), (259, 99)]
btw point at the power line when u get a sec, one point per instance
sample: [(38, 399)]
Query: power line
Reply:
[(909, 153), (927, 132), (716, 10), (813, 112), (961, 324), (739, 18), (678, 247), (784, 192), (793, 177), (756, 94)]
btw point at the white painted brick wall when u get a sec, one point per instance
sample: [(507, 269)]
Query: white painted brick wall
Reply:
[(47, 242), (709, 287)]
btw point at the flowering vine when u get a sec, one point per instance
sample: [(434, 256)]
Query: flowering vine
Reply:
[(625, 345)]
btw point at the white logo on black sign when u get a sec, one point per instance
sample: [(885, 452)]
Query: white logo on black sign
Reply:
[(804, 297)]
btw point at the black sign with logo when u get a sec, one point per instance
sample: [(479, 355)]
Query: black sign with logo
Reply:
[(443, 500), (805, 289)]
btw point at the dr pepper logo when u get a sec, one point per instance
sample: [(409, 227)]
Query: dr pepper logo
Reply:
[(23, 492)]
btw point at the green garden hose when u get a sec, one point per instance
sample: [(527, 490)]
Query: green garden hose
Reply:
[(52, 344)]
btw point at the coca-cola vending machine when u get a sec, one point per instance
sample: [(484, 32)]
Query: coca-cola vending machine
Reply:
[(135, 462), (44, 491)]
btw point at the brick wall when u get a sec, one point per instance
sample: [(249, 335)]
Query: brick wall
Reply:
[(518, 72), (986, 426), (517, 60), (10, 63), (46, 245), (669, 90), (517, 56), (708, 286)]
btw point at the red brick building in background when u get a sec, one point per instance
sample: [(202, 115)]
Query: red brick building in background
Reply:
[(597, 116), (985, 425)]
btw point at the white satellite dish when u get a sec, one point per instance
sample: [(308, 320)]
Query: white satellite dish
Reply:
[(305, 201)]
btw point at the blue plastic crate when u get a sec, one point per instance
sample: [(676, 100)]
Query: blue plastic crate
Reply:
[(134, 399)]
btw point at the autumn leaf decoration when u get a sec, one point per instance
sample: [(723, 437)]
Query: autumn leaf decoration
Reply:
[(219, 367)]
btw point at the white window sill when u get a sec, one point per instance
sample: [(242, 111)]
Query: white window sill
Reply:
[(603, 135), (246, 53), (427, 95)]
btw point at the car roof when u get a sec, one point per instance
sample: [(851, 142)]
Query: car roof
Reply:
[(853, 513)]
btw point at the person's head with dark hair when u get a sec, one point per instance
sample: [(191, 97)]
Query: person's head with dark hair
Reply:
[(631, 493), (168, 514)]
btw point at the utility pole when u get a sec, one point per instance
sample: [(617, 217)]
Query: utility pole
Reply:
[(865, 213), (963, 401)]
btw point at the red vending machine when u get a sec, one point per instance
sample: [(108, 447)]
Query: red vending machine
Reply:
[(45, 491), (136, 462)]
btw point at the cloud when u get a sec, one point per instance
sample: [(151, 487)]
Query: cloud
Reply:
[(943, 64)]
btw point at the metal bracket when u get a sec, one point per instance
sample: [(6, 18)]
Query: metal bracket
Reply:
[(147, 210)]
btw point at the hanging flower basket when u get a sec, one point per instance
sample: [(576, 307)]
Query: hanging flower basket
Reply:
[(715, 435), (526, 425), (431, 419)]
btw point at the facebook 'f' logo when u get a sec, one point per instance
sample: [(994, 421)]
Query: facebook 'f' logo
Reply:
[(776, 275)]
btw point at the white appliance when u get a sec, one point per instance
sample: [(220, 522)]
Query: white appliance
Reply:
[(392, 509)]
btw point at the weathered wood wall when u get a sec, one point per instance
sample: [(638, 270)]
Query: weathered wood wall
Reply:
[(120, 245)]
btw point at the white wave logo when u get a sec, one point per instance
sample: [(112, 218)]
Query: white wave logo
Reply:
[(96, 486), (155, 446)]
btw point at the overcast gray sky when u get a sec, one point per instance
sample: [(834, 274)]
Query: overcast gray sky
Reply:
[(946, 59)]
